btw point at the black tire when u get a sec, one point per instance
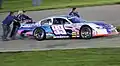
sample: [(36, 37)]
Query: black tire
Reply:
[(22, 34), (86, 32), (39, 34)]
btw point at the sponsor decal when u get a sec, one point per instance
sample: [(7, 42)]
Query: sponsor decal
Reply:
[(61, 36), (74, 34), (30, 25)]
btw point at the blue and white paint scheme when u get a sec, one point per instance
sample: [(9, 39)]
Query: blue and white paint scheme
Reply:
[(65, 26)]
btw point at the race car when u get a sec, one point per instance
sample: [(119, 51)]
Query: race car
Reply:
[(65, 26)]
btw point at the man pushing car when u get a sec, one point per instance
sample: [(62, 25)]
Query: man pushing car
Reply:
[(6, 25), (21, 18)]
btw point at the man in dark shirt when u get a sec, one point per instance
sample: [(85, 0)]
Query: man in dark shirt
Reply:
[(6, 25), (16, 25), (74, 13), (23, 17)]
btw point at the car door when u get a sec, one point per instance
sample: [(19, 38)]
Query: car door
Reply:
[(68, 26), (58, 27)]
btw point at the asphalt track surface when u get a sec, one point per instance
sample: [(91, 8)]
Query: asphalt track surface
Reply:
[(109, 13)]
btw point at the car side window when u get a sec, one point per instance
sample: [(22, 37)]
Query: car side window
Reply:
[(65, 21), (46, 22), (60, 21), (56, 21)]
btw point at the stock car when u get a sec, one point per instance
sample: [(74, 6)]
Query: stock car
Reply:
[(64, 26)]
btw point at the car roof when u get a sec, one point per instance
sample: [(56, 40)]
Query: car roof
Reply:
[(61, 16)]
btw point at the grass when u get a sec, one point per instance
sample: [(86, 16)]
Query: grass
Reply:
[(14, 5), (77, 57)]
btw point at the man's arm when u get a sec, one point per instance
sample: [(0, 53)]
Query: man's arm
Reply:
[(26, 17), (76, 13), (15, 19), (70, 13)]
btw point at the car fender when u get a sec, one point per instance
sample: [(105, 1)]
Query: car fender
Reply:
[(94, 29), (92, 25), (47, 28)]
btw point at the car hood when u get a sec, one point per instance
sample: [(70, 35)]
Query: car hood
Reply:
[(101, 23)]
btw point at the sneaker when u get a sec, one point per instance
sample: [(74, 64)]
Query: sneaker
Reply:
[(12, 38), (5, 39)]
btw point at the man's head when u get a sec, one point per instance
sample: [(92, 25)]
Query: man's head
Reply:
[(73, 9), (20, 12), (24, 11), (11, 13)]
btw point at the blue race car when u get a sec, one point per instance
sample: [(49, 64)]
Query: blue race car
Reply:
[(65, 26)]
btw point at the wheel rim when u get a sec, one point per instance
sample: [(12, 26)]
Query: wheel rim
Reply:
[(86, 32), (39, 33)]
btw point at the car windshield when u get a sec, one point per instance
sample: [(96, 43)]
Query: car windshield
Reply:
[(76, 20)]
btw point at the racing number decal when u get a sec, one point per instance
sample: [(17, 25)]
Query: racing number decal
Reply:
[(58, 29)]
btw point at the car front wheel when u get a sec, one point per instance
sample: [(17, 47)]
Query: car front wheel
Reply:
[(86, 32)]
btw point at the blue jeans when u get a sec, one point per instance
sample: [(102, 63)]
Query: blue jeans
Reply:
[(14, 31), (6, 31)]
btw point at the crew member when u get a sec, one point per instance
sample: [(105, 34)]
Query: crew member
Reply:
[(74, 13), (6, 25)]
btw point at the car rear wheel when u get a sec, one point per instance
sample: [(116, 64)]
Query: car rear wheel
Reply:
[(86, 32), (22, 34), (39, 34)]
